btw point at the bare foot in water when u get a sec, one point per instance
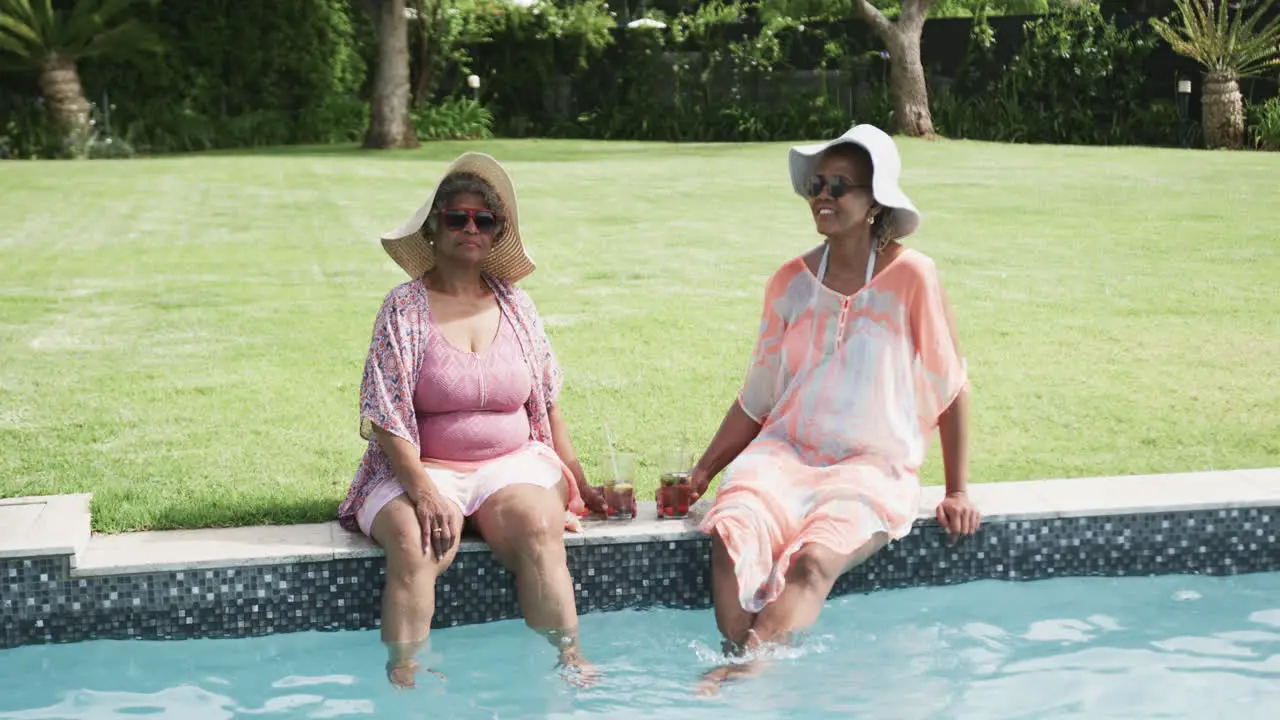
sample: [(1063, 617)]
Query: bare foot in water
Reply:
[(715, 677), (576, 669), (402, 676)]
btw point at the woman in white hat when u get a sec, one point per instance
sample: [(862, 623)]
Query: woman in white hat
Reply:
[(458, 404), (855, 366)]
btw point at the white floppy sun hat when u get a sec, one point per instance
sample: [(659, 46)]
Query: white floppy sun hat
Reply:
[(886, 170), (508, 261)]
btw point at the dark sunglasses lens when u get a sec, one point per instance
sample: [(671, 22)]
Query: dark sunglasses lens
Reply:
[(486, 221), (455, 220), (833, 184)]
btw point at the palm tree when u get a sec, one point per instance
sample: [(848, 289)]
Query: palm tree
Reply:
[(1230, 46), (35, 36)]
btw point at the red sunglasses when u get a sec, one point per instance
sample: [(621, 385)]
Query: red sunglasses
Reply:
[(457, 219)]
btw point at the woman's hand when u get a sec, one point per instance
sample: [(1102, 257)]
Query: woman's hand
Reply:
[(440, 522), (957, 515), (593, 497), (438, 517)]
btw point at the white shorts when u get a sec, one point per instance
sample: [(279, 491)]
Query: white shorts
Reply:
[(469, 485)]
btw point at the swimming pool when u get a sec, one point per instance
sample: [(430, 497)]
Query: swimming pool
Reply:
[(1170, 646)]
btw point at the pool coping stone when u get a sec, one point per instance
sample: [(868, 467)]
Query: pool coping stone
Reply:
[(45, 526)]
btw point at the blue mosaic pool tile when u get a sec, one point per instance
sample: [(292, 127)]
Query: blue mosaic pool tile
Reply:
[(1211, 542), (628, 575), (32, 587), (476, 588)]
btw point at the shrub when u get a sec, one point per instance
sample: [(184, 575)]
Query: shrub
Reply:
[(1077, 78), (240, 74), (454, 120), (26, 130), (108, 149), (1264, 124)]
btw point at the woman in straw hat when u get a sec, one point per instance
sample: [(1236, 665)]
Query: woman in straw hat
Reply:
[(458, 404), (855, 366)]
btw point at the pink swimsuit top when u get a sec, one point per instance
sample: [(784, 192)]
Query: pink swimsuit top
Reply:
[(470, 406)]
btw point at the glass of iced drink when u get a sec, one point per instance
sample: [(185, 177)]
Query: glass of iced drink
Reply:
[(675, 487), (619, 489)]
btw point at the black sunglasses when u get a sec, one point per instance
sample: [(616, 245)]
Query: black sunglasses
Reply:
[(836, 184), (456, 219)]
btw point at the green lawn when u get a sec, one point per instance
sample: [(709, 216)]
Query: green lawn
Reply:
[(183, 337)]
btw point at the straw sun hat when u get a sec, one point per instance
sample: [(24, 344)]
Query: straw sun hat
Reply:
[(508, 261), (886, 169)]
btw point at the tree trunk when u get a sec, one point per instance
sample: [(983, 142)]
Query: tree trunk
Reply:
[(423, 85), (430, 20), (906, 82), (1222, 111), (906, 73), (389, 125), (63, 94)]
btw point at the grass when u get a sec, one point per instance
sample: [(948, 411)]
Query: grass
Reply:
[(183, 337)]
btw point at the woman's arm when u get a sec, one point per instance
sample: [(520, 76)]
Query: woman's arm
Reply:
[(405, 464), (564, 446), (756, 397), (737, 430), (564, 449), (953, 428), (956, 514)]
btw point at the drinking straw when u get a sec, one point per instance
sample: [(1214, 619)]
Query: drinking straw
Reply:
[(613, 460)]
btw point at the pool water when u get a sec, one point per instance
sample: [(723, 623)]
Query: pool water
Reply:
[(1168, 647)]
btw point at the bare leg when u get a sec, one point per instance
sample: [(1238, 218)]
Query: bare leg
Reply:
[(814, 570), (734, 622), (524, 525), (409, 595)]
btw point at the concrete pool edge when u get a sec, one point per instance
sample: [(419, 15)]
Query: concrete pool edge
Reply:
[(220, 582), (44, 525)]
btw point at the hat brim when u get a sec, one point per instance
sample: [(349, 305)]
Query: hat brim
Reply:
[(509, 260), (886, 168)]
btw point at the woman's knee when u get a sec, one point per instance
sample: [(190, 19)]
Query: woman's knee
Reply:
[(400, 536), (815, 566), (541, 532), (529, 535), (406, 562), (721, 556)]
